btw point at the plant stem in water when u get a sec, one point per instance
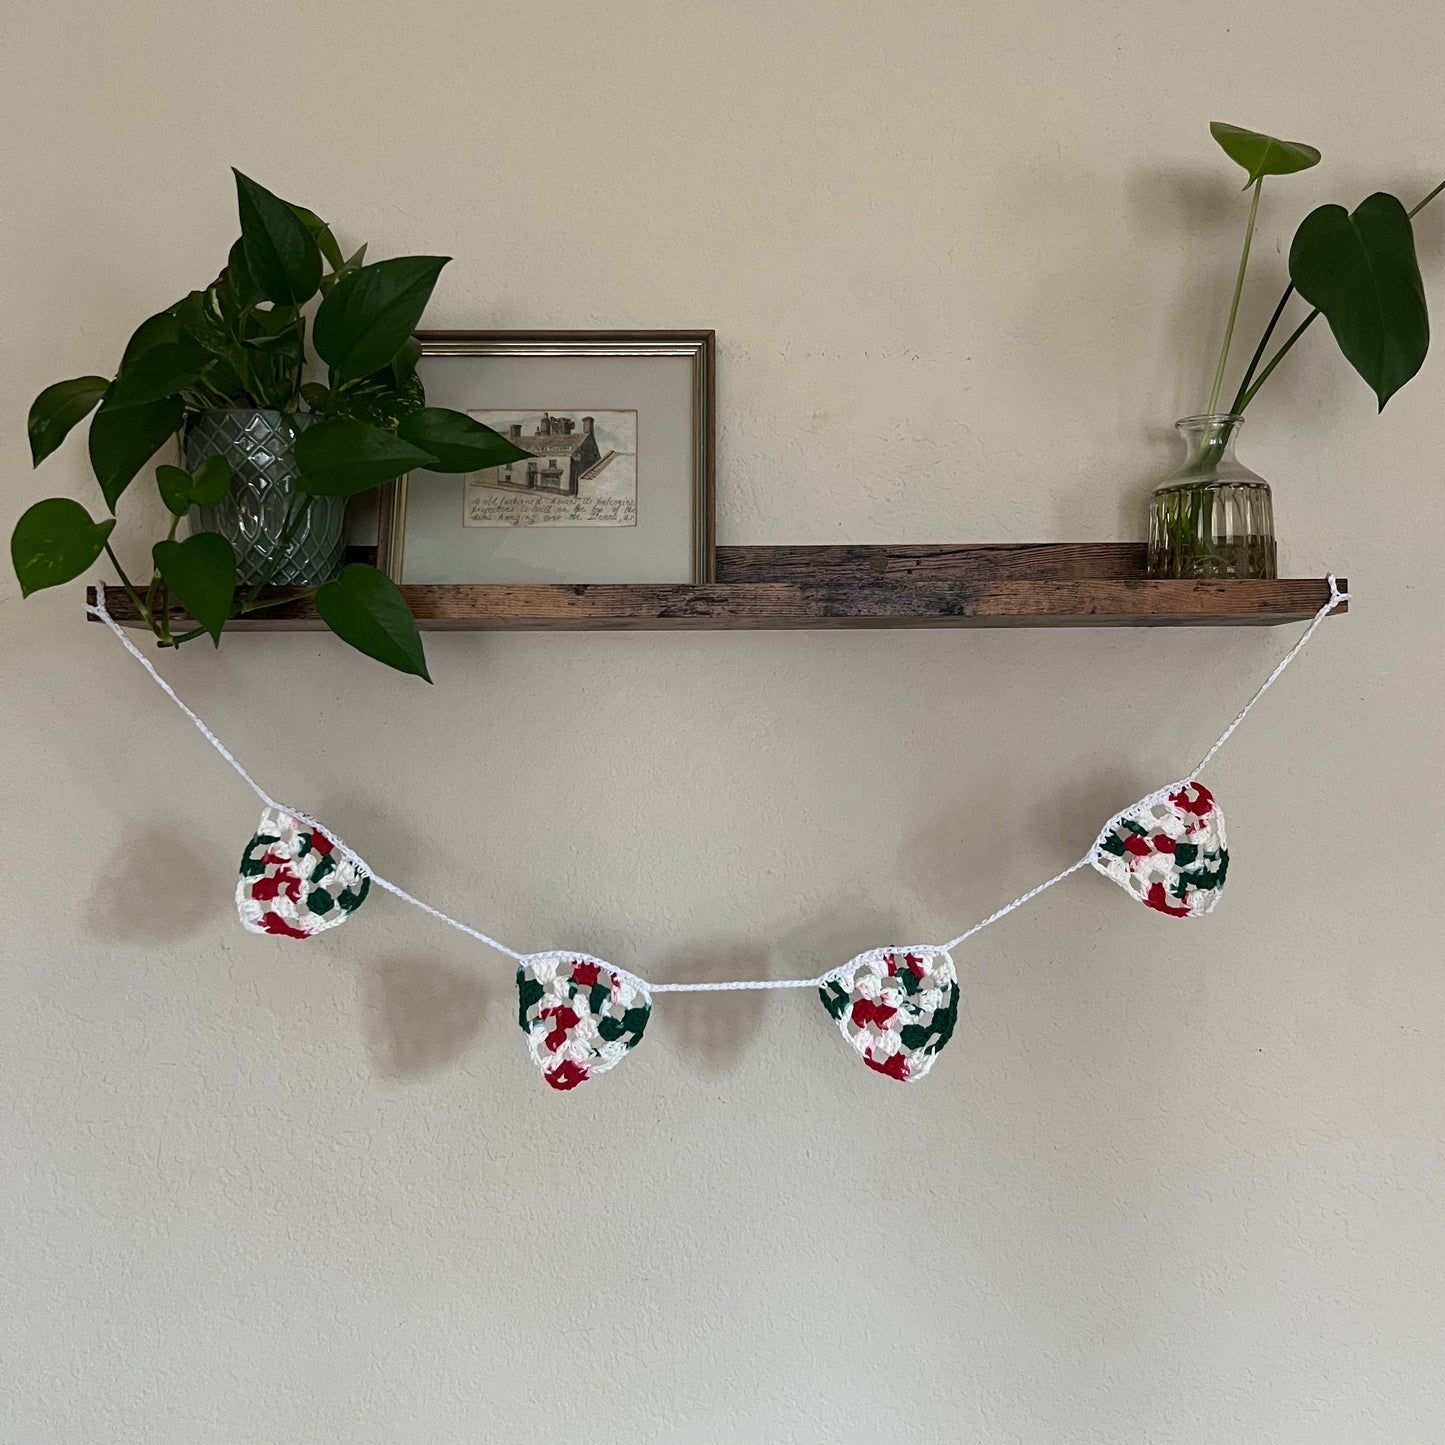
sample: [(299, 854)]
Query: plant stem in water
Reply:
[(1234, 304)]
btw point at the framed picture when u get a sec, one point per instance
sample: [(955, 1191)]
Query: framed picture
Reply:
[(618, 482)]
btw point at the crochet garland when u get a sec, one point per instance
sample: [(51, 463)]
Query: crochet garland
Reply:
[(896, 1006)]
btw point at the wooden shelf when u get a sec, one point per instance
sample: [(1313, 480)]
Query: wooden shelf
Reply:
[(1066, 584)]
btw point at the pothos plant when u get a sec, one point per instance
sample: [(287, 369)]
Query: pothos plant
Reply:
[(1357, 269), (242, 342)]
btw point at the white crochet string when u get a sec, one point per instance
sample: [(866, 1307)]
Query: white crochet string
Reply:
[(416, 902), (1336, 598), (98, 609), (1017, 903), (725, 987)]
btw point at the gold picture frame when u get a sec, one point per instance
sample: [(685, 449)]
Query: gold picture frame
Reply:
[(696, 349)]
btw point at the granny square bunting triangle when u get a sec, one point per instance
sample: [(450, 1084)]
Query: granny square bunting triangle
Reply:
[(294, 882), (896, 1006), (1168, 852), (581, 1015)]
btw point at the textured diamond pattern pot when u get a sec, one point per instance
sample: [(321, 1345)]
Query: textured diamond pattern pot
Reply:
[(261, 448)]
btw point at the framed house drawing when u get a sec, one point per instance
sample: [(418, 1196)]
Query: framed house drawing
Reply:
[(584, 472), (618, 481)]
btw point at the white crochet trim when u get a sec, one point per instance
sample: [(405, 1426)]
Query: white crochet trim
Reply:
[(98, 609), (554, 956)]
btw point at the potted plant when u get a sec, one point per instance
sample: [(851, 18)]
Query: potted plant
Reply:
[(273, 443), (1213, 517)]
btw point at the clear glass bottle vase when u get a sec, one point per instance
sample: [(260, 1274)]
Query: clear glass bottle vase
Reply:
[(1213, 517)]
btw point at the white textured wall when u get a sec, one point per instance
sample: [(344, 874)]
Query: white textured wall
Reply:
[(1169, 1184)]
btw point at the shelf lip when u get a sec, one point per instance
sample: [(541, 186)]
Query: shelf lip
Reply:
[(927, 585)]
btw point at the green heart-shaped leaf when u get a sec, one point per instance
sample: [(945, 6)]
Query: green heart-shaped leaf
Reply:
[(342, 456), (321, 234), (54, 542), (367, 317), (210, 482), (124, 438), (403, 364), (244, 286), (365, 608), (57, 409), (352, 263), (457, 442), (199, 318), (201, 575), (1262, 155), (1359, 269), (163, 326), (378, 400), (281, 254), (160, 371), (205, 487), (283, 343), (174, 485)]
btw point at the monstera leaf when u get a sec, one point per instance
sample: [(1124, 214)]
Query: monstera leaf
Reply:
[(1262, 155), (1358, 268)]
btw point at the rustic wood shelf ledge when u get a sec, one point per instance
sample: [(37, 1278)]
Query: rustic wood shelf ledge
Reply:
[(1056, 584)]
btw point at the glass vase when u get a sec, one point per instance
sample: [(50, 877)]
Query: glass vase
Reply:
[(1213, 517), (261, 448)]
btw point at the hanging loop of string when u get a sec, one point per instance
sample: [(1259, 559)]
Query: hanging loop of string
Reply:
[(1337, 598), (98, 609)]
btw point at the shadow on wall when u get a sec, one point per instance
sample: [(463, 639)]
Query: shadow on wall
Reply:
[(710, 1033), (965, 871), (155, 889), (422, 1016), (713, 1033), (837, 934), (1129, 325), (1195, 215)]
